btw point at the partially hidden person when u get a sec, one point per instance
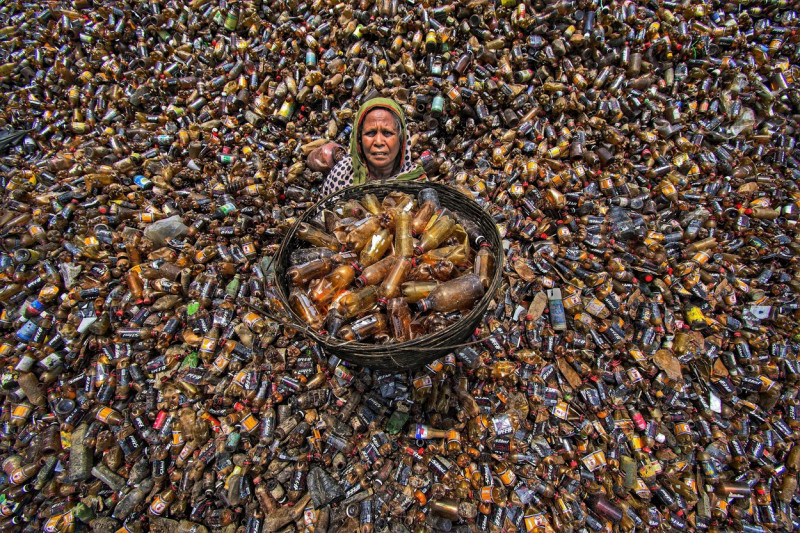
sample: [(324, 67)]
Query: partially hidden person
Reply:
[(380, 148)]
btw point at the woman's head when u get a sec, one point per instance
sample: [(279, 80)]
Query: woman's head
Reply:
[(381, 140)]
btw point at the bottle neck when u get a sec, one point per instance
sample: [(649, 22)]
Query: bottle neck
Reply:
[(424, 305)]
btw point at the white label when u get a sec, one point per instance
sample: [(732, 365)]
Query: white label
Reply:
[(760, 312), (85, 323), (715, 402)]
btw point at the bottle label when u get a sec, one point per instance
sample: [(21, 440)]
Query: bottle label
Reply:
[(158, 506), (52, 522), (486, 495), (637, 355), (185, 453), (561, 410), (668, 189), (129, 333), (595, 307), (634, 375), (556, 306), (208, 345), (25, 333), (594, 460), (227, 208), (438, 104), (423, 383), (249, 423), (286, 109), (502, 424), (142, 181), (21, 412), (536, 522), (250, 319), (421, 432), (507, 476), (240, 379), (345, 375), (722, 506), (221, 362), (35, 308), (17, 476), (177, 438), (435, 367), (25, 363), (103, 414)]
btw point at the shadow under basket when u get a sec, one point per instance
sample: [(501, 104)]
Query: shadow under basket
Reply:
[(419, 351)]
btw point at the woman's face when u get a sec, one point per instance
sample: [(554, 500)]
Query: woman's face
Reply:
[(380, 141)]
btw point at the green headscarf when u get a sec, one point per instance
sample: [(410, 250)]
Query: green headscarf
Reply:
[(406, 170)]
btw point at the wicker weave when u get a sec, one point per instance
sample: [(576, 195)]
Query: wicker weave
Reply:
[(419, 351)]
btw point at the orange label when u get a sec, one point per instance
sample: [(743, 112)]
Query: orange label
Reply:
[(560, 410), (507, 476), (424, 382), (250, 318), (158, 506), (177, 438), (207, 345), (104, 413), (486, 495), (20, 411), (249, 423), (17, 476), (221, 362)]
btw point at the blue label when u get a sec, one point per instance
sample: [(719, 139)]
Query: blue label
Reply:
[(26, 332), (558, 318), (35, 307), (142, 181)]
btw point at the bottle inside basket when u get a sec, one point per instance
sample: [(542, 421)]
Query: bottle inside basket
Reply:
[(435, 235), (453, 295), (365, 328), (305, 308), (399, 319)]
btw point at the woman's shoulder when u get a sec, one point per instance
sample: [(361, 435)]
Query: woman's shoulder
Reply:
[(339, 177)]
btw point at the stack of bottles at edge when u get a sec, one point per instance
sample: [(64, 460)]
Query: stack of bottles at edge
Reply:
[(637, 369), (372, 259)]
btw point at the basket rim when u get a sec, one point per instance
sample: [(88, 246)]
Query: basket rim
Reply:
[(365, 350)]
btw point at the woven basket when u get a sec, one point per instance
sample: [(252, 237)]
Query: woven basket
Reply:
[(419, 351)]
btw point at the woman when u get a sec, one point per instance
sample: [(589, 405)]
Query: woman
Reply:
[(379, 148)]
